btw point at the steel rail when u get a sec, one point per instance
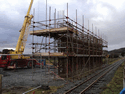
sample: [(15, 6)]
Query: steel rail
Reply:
[(82, 92), (70, 90)]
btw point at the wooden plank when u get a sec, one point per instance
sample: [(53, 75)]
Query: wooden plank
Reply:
[(62, 54), (0, 84), (53, 30), (51, 54)]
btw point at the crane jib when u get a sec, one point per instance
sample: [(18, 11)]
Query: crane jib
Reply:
[(23, 33)]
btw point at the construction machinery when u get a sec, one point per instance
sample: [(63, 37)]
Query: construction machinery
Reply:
[(14, 58)]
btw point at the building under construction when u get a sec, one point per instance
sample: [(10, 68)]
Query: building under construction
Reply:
[(64, 41)]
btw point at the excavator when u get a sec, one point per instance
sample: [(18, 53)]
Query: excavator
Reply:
[(14, 58)]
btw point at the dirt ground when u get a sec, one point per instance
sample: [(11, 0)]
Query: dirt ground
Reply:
[(15, 90)]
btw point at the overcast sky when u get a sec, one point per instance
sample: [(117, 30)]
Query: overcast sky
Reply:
[(107, 15)]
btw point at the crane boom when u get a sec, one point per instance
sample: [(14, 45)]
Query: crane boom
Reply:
[(16, 59), (26, 21), (23, 33)]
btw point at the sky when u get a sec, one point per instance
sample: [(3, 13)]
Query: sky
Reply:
[(107, 15)]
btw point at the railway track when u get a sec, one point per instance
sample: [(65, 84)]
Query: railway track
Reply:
[(86, 85)]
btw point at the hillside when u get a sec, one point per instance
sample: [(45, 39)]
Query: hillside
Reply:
[(121, 50)]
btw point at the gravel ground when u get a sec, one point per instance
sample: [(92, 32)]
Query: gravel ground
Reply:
[(29, 77), (38, 76)]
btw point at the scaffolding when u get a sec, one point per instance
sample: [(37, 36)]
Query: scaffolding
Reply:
[(71, 47)]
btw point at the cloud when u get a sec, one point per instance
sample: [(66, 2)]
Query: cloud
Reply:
[(108, 17)]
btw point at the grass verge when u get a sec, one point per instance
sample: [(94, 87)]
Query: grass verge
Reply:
[(20, 90), (113, 60), (41, 91), (116, 84)]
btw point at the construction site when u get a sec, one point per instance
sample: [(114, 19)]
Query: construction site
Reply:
[(67, 53), (68, 45)]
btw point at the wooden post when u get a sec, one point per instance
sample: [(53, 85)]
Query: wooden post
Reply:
[(124, 77), (0, 84)]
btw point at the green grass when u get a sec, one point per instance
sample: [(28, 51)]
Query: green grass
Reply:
[(116, 84), (37, 91), (41, 91), (113, 60)]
